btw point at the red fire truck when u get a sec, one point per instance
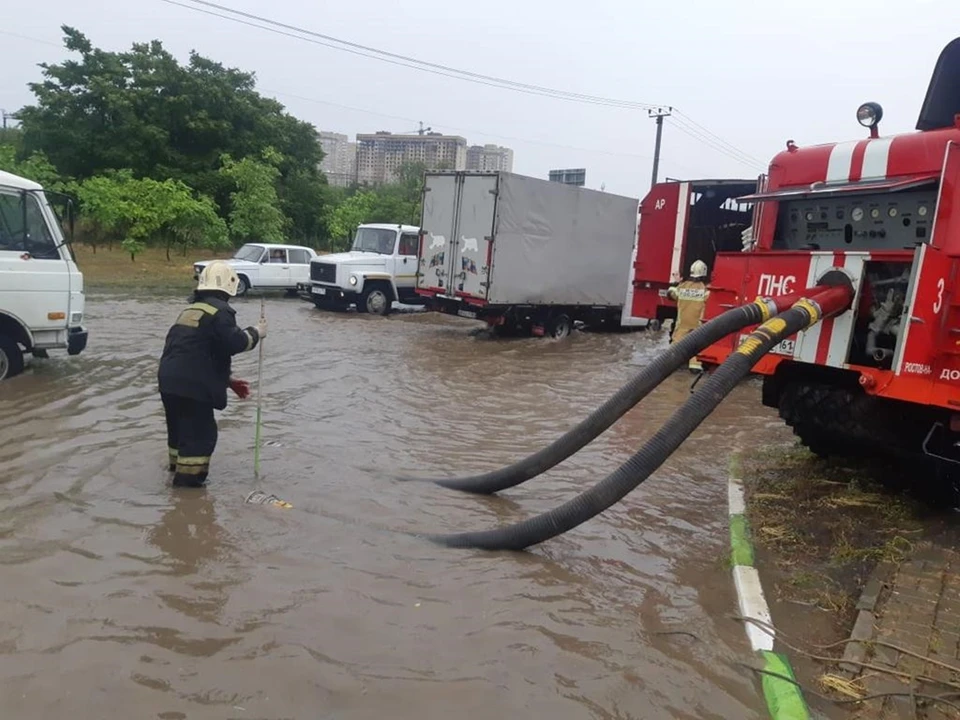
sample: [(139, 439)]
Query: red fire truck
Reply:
[(885, 211), (680, 222)]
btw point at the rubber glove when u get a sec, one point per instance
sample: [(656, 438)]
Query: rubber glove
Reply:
[(240, 387)]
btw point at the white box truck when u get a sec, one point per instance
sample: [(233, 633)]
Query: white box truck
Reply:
[(522, 254), (41, 288)]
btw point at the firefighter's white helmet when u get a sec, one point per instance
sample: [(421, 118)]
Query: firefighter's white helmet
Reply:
[(218, 275), (698, 269)]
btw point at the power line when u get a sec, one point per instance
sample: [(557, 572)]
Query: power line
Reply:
[(367, 111), (473, 131), (686, 125), (385, 54)]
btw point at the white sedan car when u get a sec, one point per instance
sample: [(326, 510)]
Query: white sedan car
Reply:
[(263, 266)]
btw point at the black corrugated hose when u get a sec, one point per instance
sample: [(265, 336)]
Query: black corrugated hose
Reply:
[(638, 468), (613, 409)]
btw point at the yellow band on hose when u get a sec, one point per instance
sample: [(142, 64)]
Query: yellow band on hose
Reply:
[(748, 346), (811, 309), (774, 325), (764, 309)]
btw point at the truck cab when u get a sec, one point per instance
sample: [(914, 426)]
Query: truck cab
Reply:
[(41, 288), (379, 269)]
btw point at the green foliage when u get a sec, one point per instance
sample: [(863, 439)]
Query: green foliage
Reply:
[(343, 219), (35, 167), (395, 203), (144, 111), (255, 212), (139, 211), (185, 154)]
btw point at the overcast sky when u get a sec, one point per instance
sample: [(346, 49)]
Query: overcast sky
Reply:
[(754, 74)]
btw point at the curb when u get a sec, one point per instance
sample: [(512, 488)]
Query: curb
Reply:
[(784, 699)]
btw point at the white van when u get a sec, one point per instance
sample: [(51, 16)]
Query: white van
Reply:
[(41, 289)]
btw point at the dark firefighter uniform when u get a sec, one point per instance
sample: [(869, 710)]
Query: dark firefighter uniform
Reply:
[(194, 376)]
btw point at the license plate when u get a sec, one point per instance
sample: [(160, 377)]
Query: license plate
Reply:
[(319, 291), (467, 314), (785, 347)]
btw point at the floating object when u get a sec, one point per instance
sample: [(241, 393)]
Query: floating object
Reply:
[(258, 497)]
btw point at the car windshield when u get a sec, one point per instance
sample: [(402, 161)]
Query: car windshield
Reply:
[(250, 253), (23, 226), (375, 240)]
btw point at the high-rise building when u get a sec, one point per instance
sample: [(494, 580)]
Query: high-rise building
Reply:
[(489, 157), (380, 155), (577, 176), (339, 163)]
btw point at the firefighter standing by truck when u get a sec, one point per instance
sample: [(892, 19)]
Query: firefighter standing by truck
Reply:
[(691, 298), (195, 368)]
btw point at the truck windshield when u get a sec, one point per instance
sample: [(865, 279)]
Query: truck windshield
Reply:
[(23, 226), (250, 253), (375, 240)]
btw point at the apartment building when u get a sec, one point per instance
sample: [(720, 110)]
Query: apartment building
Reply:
[(489, 157), (340, 158), (380, 155)]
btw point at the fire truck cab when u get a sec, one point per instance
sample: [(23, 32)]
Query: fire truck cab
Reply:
[(681, 222), (885, 211)]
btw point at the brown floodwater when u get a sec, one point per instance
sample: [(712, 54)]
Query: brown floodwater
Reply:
[(121, 597)]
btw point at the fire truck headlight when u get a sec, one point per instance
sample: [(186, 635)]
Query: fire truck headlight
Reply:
[(869, 114)]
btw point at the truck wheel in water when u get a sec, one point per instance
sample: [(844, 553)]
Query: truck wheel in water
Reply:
[(11, 358), (375, 300), (559, 326)]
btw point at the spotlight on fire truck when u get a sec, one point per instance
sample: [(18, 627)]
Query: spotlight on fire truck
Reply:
[(869, 115)]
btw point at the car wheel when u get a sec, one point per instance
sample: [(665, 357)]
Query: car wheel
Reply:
[(243, 286), (376, 301), (11, 358)]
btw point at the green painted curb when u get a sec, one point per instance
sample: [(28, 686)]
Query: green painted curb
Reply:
[(784, 698), (742, 549)]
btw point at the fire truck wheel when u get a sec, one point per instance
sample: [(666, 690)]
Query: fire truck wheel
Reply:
[(11, 358), (653, 325)]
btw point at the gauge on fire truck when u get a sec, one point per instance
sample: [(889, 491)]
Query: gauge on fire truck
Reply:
[(857, 214), (869, 114)]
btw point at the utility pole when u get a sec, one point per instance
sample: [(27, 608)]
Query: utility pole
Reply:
[(659, 114)]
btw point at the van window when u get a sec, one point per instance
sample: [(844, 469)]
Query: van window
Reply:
[(35, 238), (409, 244)]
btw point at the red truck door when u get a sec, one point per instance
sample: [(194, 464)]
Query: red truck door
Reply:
[(659, 251)]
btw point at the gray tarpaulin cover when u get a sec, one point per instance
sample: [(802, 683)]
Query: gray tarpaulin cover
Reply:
[(561, 245)]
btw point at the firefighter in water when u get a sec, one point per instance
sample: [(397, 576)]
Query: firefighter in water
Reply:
[(194, 371), (691, 298)]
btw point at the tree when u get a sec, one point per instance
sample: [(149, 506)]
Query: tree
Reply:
[(196, 224), (342, 219), (36, 167), (255, 212), (143, 111), (138, 211)]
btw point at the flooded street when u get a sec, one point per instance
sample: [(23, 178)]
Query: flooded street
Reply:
[(120, 597)]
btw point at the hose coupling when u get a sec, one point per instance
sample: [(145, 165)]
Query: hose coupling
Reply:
[(768, 307), (812, 308)]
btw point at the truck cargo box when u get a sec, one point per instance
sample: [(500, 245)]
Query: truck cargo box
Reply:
[(500, 239)]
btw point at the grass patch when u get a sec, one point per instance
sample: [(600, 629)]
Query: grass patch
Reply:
[(113, 269), (825, 526)]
